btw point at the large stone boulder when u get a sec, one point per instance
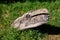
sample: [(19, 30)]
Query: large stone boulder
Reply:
[(31, 19)]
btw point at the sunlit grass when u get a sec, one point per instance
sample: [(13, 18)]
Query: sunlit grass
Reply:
[(9, 12)]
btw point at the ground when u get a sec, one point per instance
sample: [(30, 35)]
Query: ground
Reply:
[(10, 11)]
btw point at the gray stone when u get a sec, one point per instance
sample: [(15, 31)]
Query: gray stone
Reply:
[(31, 19)]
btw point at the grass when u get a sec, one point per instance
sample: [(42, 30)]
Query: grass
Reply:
[(9, 12)]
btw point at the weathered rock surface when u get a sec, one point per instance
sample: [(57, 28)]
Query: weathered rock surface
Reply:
[(31, 19)]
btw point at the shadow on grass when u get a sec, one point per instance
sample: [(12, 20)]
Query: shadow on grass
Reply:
[(46, 28), (13, 1)]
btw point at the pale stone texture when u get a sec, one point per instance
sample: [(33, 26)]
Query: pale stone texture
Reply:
[(31, 19)]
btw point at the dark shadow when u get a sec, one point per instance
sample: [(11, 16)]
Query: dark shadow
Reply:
[(47, 0), (49, 29), (13, 1)]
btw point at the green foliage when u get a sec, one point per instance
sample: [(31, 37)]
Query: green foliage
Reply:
[(9, 12)]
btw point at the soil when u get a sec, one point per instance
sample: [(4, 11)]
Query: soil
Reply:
[(54, 37)]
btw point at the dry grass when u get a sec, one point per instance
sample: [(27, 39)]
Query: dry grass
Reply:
[(53, 37)]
